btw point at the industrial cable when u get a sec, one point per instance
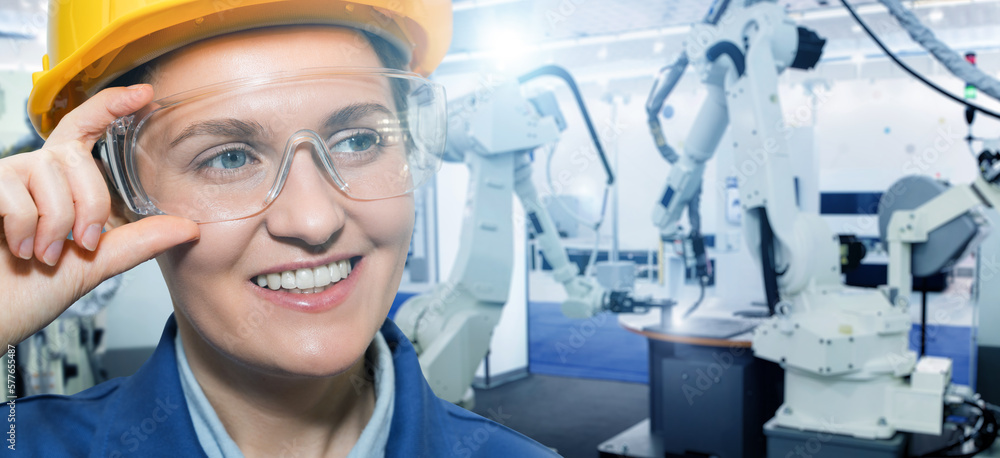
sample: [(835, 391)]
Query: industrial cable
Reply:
[(597, 234), (701, 262), (701, 297), (561, 73), (662, 87), (912, 72), (767, 261), (942, 452), (969, 139), (939, 50), (666, 80), (923, 316), (694, 213), (985, 434), (595, 226)]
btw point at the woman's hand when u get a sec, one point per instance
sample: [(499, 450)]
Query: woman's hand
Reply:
[(46, 195)]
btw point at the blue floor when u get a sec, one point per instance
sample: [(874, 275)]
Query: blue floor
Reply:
[(599, 348), (596, 348)]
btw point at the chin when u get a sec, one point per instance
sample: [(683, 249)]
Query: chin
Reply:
[(324, 352)]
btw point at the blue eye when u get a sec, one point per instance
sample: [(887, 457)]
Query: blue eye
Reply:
[(359, 141), (228, 160)]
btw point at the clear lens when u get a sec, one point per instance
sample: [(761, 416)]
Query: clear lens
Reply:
[(224, 152)]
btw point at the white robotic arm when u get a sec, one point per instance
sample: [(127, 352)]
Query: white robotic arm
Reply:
[(848, 369), (451, 327), (908, 229), (739, 65), (584, 297), (844, 351), (685, 177)]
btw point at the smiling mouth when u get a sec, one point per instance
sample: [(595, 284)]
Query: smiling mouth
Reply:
[(310, 280)]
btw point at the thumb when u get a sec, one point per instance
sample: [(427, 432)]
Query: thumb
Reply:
[(127, 246)]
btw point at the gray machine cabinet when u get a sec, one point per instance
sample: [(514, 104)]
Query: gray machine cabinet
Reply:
[(711, 400)]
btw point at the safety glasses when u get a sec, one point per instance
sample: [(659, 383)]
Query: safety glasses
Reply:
[(224, 152)]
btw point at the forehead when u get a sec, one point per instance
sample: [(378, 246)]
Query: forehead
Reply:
[(260, 51)]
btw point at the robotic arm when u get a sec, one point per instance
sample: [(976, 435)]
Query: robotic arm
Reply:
[(844, 350), (942, 229), (741, 81), (493, 132)]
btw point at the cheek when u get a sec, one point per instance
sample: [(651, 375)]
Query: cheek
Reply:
[(387, 223), (388, 226), (194, 271)]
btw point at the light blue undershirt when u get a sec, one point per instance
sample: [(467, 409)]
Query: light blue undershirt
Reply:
[(216, 442)]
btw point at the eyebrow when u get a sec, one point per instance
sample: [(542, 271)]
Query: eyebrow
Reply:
[(236, 128), (354, 112), (233, 128)]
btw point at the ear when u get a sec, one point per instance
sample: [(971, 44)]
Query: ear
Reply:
[(120, 214)]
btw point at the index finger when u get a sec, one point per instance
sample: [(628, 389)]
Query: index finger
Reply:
[(74, 138), (87, 122)]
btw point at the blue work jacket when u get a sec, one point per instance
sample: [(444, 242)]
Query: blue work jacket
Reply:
[(146, 415)]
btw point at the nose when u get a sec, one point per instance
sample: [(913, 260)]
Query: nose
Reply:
[(309, 207)]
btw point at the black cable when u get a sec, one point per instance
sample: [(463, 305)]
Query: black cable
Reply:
[(694, 212), (910, 70), (767, 262), (561, 73), (923, 316), (983, 438), (940, 453), (968, 140), (701, 296), (991, 427)]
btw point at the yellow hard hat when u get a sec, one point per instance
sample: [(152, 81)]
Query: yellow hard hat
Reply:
[(91, 42)]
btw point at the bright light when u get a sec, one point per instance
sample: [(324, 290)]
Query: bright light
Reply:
[(505, 44), (658, 47), (936, 15), (858, 58)]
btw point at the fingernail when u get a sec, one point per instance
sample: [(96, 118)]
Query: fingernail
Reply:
[(27, 246), (52, 253), (91, 236), (136, 91)]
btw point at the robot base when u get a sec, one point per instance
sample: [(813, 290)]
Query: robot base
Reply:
[(789, 443)]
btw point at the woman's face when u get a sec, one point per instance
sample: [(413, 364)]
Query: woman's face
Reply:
[(311, 224)]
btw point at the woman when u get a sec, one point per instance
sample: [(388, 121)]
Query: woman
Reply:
[(271, 180)]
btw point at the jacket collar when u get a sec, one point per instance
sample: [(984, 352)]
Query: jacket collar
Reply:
[(148, 415), (417, 420)]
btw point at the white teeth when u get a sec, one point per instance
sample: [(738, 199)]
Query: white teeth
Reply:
[(274, 281), (334, 272), (288, 279), (321, 276), (306, 281)]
